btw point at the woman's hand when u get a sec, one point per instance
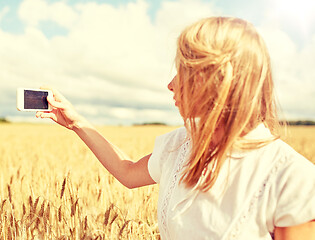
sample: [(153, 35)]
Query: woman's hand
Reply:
[(62, 112)]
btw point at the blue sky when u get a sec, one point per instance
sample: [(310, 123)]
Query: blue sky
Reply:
[(113, 59)]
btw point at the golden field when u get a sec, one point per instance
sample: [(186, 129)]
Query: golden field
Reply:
[(52, 187)]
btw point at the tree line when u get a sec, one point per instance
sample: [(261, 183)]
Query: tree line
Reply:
[(292, 123)]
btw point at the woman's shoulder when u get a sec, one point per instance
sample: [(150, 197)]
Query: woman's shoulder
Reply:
[(287, 153), (274, 160), (165, 148), (285, 163), (169, 143), (178, 134), (294, 162)]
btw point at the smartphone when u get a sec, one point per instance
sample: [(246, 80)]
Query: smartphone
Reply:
[(28, 99)]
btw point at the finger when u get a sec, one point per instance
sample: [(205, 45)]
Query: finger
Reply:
[(54, 103), (40, 114), (56, 93), (46, 115)]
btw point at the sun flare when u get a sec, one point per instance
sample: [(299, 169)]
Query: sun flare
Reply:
[(300, 11)]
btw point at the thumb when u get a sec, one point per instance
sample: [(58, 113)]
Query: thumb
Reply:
[(54, 103)]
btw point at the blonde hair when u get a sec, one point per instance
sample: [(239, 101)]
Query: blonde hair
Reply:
[(224, 79)]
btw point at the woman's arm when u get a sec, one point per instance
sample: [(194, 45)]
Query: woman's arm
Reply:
[(304, 231), (129, 173)]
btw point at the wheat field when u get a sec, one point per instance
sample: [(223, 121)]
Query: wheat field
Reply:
[(52, 187)]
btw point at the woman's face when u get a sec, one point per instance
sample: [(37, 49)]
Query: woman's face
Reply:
[(172, 87), (176, 90)]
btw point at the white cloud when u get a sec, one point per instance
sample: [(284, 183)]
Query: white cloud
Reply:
[(62, 14), (299, 15), (115, 62), (282, 49), (176, 15), (32, 12), (87, 109), (307, 61), (3, 12), (112, 56), (293, 73), (123, 113)]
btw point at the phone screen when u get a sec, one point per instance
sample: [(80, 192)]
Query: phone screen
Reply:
[(35, 99)]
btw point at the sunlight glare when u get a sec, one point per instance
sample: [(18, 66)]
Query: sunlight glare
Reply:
[(298, 10)]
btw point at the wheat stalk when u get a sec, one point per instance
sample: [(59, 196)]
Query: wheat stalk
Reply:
[(85, 223), (30, 201), (42, 210), (2, 204), (73, 208), (123, 227), (24, 210), (107, 213), (9, 193), (63, 188), (35, 205), (59, 213), (47, 212)]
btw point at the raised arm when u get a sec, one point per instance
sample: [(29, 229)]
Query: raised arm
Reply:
[(130, 173)]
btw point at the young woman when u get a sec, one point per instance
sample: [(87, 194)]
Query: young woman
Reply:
[(226, 174)]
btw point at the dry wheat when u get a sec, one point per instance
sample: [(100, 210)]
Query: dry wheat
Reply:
[(89, 203)]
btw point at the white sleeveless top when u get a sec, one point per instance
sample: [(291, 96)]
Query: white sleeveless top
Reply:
[(268, 187)]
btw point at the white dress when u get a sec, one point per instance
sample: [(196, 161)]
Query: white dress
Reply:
[(255, 191)]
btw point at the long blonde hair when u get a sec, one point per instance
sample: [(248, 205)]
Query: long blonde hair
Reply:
[(224, 79)]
